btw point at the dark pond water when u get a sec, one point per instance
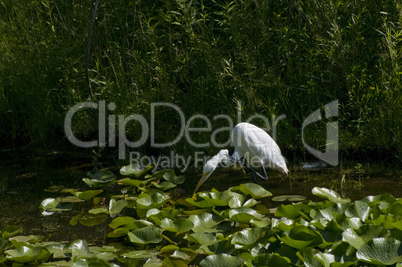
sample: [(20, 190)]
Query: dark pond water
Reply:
[(24, 179)]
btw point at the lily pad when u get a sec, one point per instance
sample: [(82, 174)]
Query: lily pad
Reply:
[(222, 260), (256, 191), (290, 198), (86, 195), (329, 194), (134, 170), (25, 254), (100, 179), (145, 235), (381, 251)]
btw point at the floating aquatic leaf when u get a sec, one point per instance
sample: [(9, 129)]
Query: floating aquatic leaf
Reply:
[(122, 221), (290, 211), (134, 170), (256, 191), (100, 179), (381, 251), (93, 261), (247, 236), (300, 237), (169, 248), (98, 210), (266, 259), (131, 182), (145, 235), (170, 176), (205, 222), (115, 207), (51, 205), (26, 254), (350, 236), (358, 209), (89, 219), (291, 198), (329, 194), (152, 199), (244, 215), (179, 225), (10, 230), (203, 238), (86, 195), (140, 254), (164, 185), (222, 260)]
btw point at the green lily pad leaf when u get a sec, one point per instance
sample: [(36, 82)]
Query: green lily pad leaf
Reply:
[(140, 254), (9, 231), (51, 205), (25, 254), (244, 215), (254, 190), (98, 210), (290, 211), (247, 236), (170, 176), (152, 199), (131, 182), (236, 201), (145, 235), (179, 225), (86, 195), (26, 238), (181, 255), (122, 221), (206, 201), (381, 251), (329, 194), (300, 237), (100, 179), (205, 222), (3, 244), (202, 238), (350, 236), (94, 261), (72, 199), (164, 185), (289, 198), (169, 248), (79, 248), (358, 209), (134, 170), (115, 207), (266, 259), (222, 260), (89, 219)]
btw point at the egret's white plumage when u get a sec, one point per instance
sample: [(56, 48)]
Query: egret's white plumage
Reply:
[(251, 144)]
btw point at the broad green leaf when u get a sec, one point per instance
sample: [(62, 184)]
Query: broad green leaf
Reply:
[(145, 235), (290, 211), (171, 177), (179, 225), (152, 199), (115, 207), (164, 185), (350, 236), (10, 230), (25, 254), (86, 195), (222, 260), (300, 237), (329, 194), (380, 251), (291, 198), (88, 262), (98, 210), (140, 254), (89, 219), (247, 236), (122, 221), (100, 179), (266, 259), (358, 209), (202, 238), (254, 190), (134, 170), (51, 205), (205, 222), (244, 215), (131, 182)]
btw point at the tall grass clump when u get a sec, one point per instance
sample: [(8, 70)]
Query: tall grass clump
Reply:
[(288, 57)]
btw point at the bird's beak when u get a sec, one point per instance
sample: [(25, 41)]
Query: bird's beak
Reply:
[(202, 180)]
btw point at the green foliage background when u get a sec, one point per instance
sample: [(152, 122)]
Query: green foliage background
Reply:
[(278, 57)]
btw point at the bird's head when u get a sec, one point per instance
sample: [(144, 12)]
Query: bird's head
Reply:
[(211, 165), (281, 166)]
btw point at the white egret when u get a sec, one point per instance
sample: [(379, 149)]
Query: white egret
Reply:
[(253, 147)]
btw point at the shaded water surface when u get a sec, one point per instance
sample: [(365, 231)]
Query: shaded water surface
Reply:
[(23, 181)]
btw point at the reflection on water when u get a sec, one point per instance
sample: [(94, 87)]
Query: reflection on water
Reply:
[(22, 184)]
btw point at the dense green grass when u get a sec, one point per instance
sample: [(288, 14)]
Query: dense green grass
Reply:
[(277, 57)]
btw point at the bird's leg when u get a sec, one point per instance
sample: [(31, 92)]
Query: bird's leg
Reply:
[(255, 179), (265, 173), (256, 173)]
